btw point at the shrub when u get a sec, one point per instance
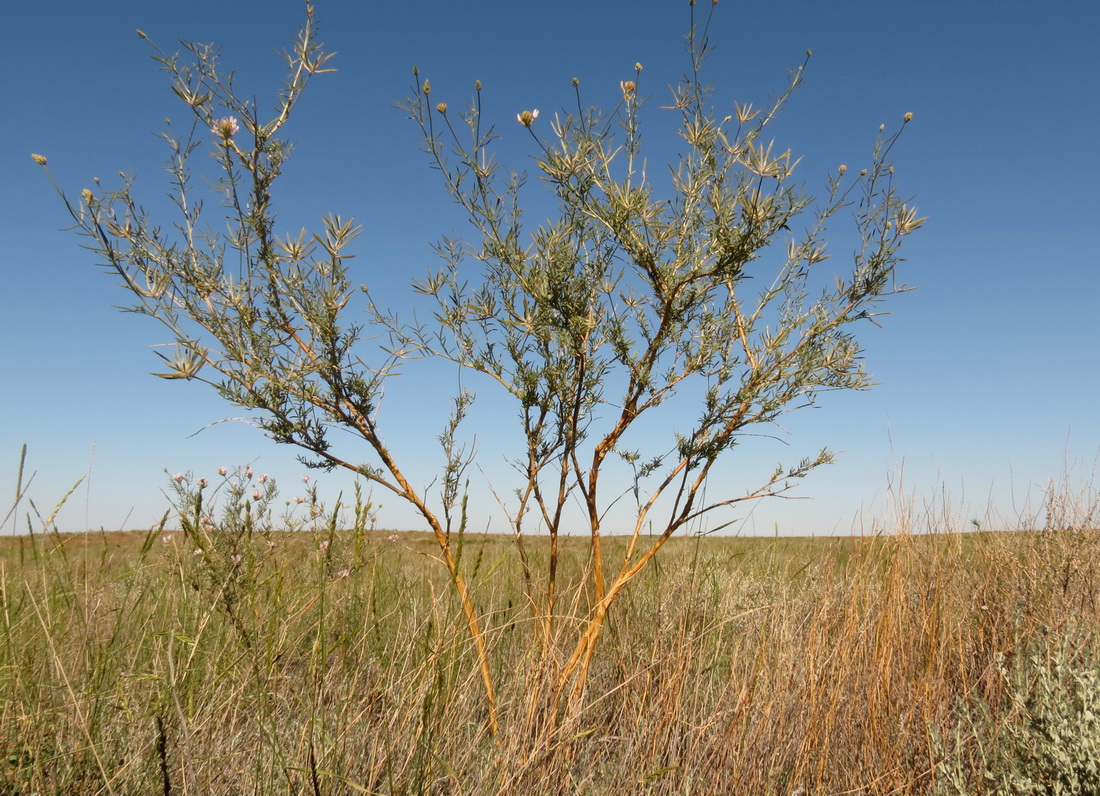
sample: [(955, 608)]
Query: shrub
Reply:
[(708, 291)]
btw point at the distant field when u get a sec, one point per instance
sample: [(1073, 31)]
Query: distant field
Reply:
[(949, 663)]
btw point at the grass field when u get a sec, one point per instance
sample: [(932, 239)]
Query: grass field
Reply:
[(338, 662)]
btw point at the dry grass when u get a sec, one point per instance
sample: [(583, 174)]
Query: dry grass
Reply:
[(130, 665)]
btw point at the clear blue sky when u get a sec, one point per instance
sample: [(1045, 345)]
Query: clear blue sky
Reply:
[(989, 371)]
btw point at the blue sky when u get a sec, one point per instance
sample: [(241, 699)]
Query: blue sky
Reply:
[(988, 370)]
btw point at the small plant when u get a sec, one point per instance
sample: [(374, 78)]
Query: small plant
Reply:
[(231, 527)]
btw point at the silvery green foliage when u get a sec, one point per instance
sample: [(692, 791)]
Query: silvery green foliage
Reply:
[(1055, 745), (1046, 739)]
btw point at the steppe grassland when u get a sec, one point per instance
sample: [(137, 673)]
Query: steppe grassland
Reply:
[(338, 663)]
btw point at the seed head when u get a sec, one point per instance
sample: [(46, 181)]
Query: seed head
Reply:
[(638, 67), (477, 85), (39, 159), (527, 118), (576, 82), (441, 107), (908, 117), (628, 87), (87, 196), (843, 169), (427, 87)]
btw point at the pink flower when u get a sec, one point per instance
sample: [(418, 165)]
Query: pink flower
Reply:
[(257, 494), (262, 479), (305, 479), (203, 483), (247, 472), (223, 470), (323, 545), (298, 499), (235, 558), (225, 127), (167, 539), (394, 537), (343, 573), (178, 477), (198, 551)]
